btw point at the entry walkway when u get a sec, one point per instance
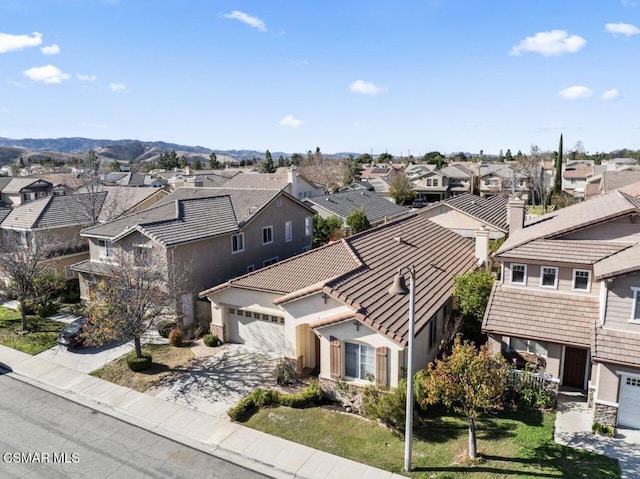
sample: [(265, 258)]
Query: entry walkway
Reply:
[(573, 428), (216, 435)]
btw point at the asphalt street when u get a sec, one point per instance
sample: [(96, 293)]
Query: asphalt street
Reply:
[(44, 435)]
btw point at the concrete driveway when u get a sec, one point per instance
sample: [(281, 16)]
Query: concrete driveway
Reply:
[(215, 383)]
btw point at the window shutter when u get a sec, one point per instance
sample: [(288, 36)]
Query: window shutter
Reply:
[(335, 358), (382, 376)]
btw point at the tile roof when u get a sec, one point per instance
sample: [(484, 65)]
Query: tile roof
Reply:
[(113, 228), (275, 181), (565, 251), (457, 172), (566, 319), (246, 202), (121, 199), (358, 271), (18, 184), (4, 181), (491, 210), (578, 172), (626, 261), (91, 267), (632, 189), (375, 207), (587, 213), (620, 347), (53, 212), (4, 212), (614, 180)]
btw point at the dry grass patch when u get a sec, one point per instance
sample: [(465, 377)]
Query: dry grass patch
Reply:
[(166, 360)]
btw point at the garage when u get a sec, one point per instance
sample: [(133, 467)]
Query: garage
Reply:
[(260, 331), (629, 403)]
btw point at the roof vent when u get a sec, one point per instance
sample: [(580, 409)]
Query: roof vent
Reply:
[(398, 239)]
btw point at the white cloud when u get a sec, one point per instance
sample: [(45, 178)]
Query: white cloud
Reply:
[(554, 42), (50, 50), (299, 62), (610, 94), (622, 29), (290, 120), (574, 92), (10, 42), (46, 74), (82, 77), (253, 22), (4, 109), (118, 87), (366, 88), (628, 3)]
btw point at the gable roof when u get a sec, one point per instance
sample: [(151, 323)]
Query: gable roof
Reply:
[(53, 212), (358, 271), (4, 181), (491, 210), (376, 208), (614, 180), (615, 346), (16, 185), (578, 216), (457, 172), (567, 251), (625, 261), (121, 199)]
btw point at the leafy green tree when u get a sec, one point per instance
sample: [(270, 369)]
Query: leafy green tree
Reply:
[(197, 165), (326, 229), (357, 221), (297, 159), (267, 165), (467, 380), (472, 291), (508, 156), (214, 164), (434, 158), (115, 165), (351, 171), (281, 162), (385, 157), (557, 189), (21, 163), (169, 160), (501, 156), (401, 190), (365, 158), (184, 162)]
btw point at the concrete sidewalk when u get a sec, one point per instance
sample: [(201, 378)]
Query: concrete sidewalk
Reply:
[(573, 428), (244, 446)]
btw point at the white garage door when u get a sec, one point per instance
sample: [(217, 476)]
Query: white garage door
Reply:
[(256, 330), (629, 404)]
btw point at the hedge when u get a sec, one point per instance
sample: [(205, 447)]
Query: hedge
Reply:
[(312, 394)]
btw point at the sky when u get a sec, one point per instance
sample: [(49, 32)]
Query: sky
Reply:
[(405, 77)]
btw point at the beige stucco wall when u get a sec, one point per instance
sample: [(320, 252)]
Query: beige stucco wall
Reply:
[(622, 229), (565, 278), (619, 308), (459, 222)]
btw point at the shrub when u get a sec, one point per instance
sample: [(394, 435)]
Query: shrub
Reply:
[(598, 428), (285, 372), (211, 340), (386, 404), (242, 409), (165, 326), (264, 397), (139, 364), (175, 337), (312, 394)]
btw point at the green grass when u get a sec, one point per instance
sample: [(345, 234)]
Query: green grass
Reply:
[(41, 333), (512, 445), (166, 360)]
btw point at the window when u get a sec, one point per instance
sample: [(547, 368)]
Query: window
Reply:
[(288, 231), (433, 330), (251, 268), (106, 249), (308, 225), (256, 315), (237, 243), (267, 235), (581, 280), (68, 272), (518, 274), (359, 361), (270, 261), (530, 346), (548, 276), (635, 309), (232, 311), (279, 203)]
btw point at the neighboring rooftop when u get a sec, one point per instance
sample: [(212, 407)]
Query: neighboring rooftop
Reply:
[(491, 210), (375, 207)]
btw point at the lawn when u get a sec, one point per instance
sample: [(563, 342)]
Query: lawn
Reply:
[(40, 335), (166, 359), (518, 444)]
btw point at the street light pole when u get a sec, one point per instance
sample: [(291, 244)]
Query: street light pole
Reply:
[(400, 288)]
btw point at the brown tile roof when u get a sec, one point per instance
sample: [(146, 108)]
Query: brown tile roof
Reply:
[(359, 270), (581, 215), (626, 261), (619, 347), (558, 318), (578, 172), (492, 210), (632, 189), (565, 251)]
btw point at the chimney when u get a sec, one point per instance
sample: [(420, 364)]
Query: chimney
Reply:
[(482, 245), (292, 178), (515, 214)]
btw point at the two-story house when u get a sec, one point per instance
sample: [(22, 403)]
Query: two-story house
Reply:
[(329, 309), (17, 191), (568, 294), (207, 234), (498, 178)]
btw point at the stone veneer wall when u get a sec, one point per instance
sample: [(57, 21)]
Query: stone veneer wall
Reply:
[(591, 395), (219, 331), (605, 415)]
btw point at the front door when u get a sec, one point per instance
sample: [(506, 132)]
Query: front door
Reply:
[(575, 363)]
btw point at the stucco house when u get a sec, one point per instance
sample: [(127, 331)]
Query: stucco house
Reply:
[(569, 295), (329, 309), (207, 234), (17, 191)]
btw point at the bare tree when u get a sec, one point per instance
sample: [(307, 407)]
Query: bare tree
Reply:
[(130, 297), (25, 268), (532, 166)]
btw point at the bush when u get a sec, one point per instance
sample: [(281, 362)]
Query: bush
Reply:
[(211, 340), (175, 337), (386, 404), (165, 326), (242, 409), (285, 372), (598, 428), (311, 395), (139, 364)]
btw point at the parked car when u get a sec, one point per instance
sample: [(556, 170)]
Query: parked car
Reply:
[(419, 204), (71, 336)]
